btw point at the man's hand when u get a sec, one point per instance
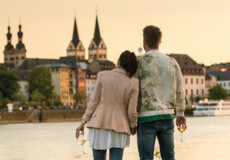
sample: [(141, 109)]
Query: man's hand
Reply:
[(133, 130), (181, 120), (80, 128)]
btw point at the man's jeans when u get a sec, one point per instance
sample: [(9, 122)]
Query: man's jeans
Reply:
[(114, 154), (146, 136)]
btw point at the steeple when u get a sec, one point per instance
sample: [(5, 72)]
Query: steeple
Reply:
[(9, 49), (75, 39), (76, 47), (20, 45), (97, 35), (97, 47), (20, 50), (9, 46)]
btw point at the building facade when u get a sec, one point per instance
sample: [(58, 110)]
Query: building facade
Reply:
[(63, 81), (193, 77), (223, 79)]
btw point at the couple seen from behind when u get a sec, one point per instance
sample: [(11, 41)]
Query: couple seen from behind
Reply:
[(139, 96)]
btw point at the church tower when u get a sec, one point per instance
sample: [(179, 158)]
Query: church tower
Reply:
[(9, 49), (97, 47), (76, 47), (20, 50)]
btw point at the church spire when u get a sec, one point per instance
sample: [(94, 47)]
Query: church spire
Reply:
[(20, 45), (97, 35), (9, 35), (75, 38)]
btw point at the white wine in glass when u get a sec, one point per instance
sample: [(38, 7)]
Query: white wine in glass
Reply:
[(81, 141), (181, 129)]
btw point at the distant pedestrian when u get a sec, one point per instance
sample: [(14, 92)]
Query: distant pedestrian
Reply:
[(112, 110)]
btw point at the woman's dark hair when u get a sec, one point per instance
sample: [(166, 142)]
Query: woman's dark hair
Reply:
[(128, 61)]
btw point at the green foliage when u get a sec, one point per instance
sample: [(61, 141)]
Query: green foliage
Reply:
[(198, 98), (1, 98), (5, 101), (37, 97), (79, 96), (8, 84), (20, 97), (49, 103), (58, 102), (2, 67), (40, 79), (217, 93)]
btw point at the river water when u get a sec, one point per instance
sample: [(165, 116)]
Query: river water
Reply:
[(207, 138)]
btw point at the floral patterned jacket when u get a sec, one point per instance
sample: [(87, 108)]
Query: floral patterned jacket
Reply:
[(160, 87)]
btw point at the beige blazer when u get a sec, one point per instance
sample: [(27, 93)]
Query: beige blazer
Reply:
[(113, 103)]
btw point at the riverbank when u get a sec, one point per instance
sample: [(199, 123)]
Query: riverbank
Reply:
[(45, 115), (50, 115)]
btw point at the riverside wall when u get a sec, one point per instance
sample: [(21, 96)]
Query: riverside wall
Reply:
[(45, 115)]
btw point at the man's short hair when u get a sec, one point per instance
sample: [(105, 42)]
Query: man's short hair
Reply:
[(152, 36)]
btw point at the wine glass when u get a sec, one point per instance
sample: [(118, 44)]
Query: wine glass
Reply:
[(81, 141), (181, 129)]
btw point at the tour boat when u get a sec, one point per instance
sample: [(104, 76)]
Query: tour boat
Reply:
[(212, 108)]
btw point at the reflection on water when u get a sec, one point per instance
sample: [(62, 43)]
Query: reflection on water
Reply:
[(207, 138)]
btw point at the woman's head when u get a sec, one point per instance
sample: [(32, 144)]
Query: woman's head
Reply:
[(128, 61)]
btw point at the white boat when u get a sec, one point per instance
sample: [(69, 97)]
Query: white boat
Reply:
[(212, 108)]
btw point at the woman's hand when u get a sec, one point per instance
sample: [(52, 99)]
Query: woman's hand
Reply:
[(133, 130), (80, 128)]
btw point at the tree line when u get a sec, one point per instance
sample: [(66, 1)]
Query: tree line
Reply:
[(40, 88)]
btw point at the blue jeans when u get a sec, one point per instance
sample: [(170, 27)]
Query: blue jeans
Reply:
[(146, 136), (114, 154)]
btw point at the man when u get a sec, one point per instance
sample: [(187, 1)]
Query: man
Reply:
[(161, 91)]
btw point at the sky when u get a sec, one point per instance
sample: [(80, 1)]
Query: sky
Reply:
[(199, 28)]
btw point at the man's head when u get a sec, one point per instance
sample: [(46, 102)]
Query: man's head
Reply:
[(152, 37)]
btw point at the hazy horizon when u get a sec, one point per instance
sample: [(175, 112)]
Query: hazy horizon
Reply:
[(197, 28)]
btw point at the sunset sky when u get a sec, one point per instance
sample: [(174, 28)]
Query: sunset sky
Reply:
[(199, 28)]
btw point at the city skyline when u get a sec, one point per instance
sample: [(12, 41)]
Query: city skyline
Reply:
[(196, 28)]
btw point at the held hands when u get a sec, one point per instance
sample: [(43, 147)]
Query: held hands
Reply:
[(80, 128), (181, 121), (133, 130)]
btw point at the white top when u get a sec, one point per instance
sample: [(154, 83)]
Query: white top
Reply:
[(102, 139)]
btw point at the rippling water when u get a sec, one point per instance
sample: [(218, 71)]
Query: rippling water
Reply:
[(207, 138)]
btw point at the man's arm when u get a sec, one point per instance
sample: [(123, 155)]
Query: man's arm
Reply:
[(180, 98)]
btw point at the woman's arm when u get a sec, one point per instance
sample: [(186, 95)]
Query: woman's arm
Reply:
[(93, 103), (132, 107), (94, 100)]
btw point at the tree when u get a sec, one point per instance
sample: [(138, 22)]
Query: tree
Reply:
[(40, 79), (217, 93), (197, 98), (37, 97), (20, 97), (58, 102), (79, 96), (8, 84)]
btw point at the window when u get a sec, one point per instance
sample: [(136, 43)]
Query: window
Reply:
[(202, 81), (191, 81), (22, 57), (191, 91), (186, 81), (224, 84), (186, 92), (6, 60), (197, 92), (11, 59), (229, 84), (202, 91), (197, 81)]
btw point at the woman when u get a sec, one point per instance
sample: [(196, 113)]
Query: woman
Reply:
[(112, 110)]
